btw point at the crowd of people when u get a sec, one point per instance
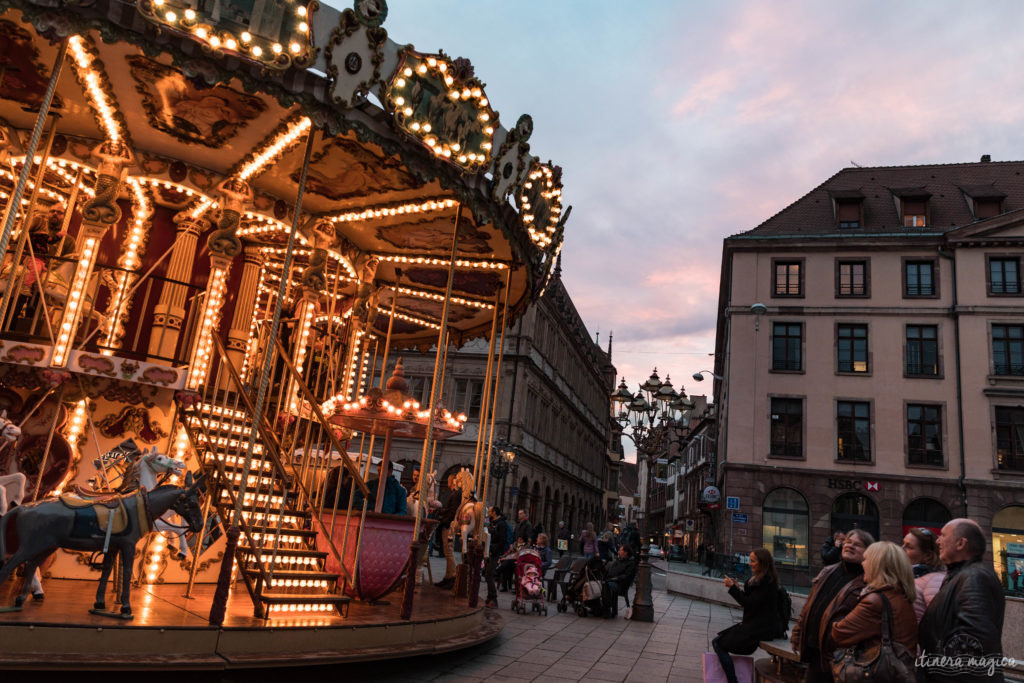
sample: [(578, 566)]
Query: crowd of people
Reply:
[(939, 601)]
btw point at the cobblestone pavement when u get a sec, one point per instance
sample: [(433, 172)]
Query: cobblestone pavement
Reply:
[(565, 647)]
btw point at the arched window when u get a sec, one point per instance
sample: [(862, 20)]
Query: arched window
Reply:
[(522, 499), (535, 508), (1008, 547), (855, 511), (785, 527), (925, 513)]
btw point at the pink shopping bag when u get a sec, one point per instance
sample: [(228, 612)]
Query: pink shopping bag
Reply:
[(713, 669)]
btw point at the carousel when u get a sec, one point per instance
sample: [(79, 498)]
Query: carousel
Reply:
[(220, 220)]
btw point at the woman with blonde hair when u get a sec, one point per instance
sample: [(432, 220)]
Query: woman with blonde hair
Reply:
[(887, 574)]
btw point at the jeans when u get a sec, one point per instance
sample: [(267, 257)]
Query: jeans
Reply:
[(725, 659)]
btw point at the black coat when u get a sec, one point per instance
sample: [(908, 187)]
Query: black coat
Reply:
[(969, 610), (760, 614), (499, 537), (524, 530), (830, 553)]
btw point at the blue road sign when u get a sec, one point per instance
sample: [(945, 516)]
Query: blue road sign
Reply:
[(739, 517), (732, 503)]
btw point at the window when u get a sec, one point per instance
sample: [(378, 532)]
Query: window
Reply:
[(1004, 276), (914, 213), (922, 351), (855, 511), (987, 207), (419, 389), (1008, 548), (919, 278), (788, 278), (785, 527), (853, 428), (852, 278), (925, 513), (468, 396), (924, 434), (1010, 438), (852, 347), (848, 213), (786, 346), (1008, 350), (787, 428)]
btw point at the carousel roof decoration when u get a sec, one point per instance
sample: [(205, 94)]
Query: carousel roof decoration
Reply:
[(393, 411), (540, 203), (90, 74), (276, 35), (441, 104)]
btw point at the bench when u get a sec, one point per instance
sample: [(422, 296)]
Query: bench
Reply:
[(783, 665)]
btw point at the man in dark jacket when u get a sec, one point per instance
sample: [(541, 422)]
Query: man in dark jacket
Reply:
[(965, 618), (445, 518), (499, 543), (832, 548), (524, 529)]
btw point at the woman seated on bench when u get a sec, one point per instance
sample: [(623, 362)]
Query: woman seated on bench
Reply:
[(758, 598), (620, 572)]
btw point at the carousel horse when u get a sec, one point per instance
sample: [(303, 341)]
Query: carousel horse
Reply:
[(470, 518), (113, 526), (12, 486), (431, 504)]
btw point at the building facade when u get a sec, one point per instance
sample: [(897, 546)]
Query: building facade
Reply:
[(871, 344), (690, 474), (552, 403)]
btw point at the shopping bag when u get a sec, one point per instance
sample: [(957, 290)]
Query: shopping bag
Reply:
[(563, 544), (713, 669)]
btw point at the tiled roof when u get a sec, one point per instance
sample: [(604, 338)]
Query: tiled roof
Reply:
[(944, 184)]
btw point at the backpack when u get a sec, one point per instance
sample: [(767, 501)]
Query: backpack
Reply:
[(784, 605)]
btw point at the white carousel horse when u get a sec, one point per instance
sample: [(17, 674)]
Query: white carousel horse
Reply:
[(431, 504), (148, 469), (470, 518), (12, 489)]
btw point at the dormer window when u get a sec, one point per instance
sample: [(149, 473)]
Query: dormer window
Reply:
[(847, 205), (985, 201), (912, 205)]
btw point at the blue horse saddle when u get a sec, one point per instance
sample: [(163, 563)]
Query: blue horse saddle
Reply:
[(92, 517)]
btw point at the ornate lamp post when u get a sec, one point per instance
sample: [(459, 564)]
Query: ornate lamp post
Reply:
[(503, 461), (653, 417)]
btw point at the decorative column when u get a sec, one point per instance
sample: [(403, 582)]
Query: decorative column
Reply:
[(98, 214), (169, 312), (224, 246), (245, 305)]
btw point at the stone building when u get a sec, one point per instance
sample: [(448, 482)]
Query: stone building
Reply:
[(871, 344), (552, 403)]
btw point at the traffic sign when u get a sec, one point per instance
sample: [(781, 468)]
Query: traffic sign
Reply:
[(739, 517), (732, 503)]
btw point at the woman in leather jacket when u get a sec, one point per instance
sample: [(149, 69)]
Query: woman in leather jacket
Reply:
[(758, 599)]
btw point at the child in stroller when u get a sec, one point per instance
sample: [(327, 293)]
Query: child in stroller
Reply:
[(585, 591), (529, 583)]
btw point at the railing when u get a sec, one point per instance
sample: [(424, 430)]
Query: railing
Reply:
[(34, 311)]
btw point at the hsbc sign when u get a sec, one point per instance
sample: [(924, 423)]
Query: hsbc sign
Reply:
[(854, 485)]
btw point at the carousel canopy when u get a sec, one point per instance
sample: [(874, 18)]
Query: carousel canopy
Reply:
[(221, 94)]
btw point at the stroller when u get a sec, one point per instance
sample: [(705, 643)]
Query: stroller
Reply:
[(585, 592), (529, 583)]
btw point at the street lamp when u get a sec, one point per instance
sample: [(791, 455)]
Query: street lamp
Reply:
[(503, 461), (699, 375), (653, 415)]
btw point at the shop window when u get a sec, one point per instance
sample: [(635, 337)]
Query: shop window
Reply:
[(1008, 349), (919, 278), (788, 278), (1008, 548), (925, 513), (785, 527), (922, 351), (787, 430), (855, 511), (852, 347), (1010, 438), (787, 340), (851, 278), (1004, 275), (924, 434), (853, 430)]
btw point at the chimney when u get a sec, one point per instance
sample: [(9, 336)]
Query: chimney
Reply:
[(986, 158)]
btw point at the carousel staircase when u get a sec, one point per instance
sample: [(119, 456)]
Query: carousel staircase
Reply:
[(277, 555)]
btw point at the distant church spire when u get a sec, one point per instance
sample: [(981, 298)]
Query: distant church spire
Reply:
[(610, 344)]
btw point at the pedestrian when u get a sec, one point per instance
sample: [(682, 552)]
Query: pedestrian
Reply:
[(831, 549), (588, 541), (524, 530), (562, 537), (499, 544), (759, 600), (701, 549), (538, 529), (606, 545), (709, 559), (444, 521), (966, 616), (887, 577), (834, 593), (545, 553), (922, 550)]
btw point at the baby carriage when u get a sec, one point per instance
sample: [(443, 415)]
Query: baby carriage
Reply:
[(529, 583), (584, 592)]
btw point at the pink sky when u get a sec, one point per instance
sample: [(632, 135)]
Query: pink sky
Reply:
[(680, 123)]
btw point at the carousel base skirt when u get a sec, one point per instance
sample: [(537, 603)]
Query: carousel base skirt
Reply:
[(170, 632)]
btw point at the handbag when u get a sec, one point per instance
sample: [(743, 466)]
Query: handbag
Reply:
[(591, 588), (886, 662)]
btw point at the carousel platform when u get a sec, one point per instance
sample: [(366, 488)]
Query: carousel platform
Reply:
[(171, 632)]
